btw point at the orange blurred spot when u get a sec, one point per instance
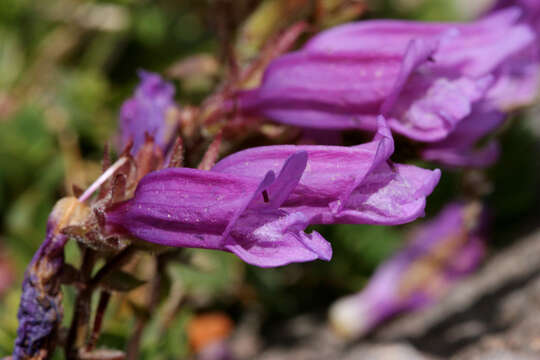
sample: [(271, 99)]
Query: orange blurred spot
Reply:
[(208, 328)]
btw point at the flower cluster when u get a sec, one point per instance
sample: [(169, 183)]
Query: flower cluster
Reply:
[(444, 86)]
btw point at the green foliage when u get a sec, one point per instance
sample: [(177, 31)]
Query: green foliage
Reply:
[(120, 281)]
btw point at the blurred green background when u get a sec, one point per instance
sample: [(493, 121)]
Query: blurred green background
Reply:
[(65, 68)]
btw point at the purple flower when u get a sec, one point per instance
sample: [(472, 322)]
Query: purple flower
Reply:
[(518, 79), (146, 113), (460, 148), (356, 185), (425, 77), (203, 209), (441, 252), (242, 207)]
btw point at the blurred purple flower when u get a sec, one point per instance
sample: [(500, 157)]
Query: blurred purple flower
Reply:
[(146, 113), (425, 77), (518, 79), (441, 252), (461, 149)]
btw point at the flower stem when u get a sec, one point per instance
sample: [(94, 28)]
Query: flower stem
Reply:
[(152, 299), (104, 298), (81, 312)]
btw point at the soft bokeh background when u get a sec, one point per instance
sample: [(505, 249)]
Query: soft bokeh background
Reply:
[(65, 68)]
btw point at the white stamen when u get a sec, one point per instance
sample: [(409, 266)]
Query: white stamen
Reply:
[(100, 180)]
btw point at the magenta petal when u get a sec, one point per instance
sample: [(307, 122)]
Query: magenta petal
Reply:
[(389, 195), (460, 148), (288, 178), (355, 184), (518, 80), (274, 238), (418, 52), (476, 48), (518, 83), (430, 107), (184, 207)]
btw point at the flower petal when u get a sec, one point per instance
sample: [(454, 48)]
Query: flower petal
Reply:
[(275, 238), (340, 184), (459, 149)]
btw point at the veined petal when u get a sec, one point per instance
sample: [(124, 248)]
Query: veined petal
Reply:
[(430, 106), (275, 238), (340, 184), (344, 77), (518, 79), (184, 207), (459, 149), (418, 51), (389, 195), (477, 48)]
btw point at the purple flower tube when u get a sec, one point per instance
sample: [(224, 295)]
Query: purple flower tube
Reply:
[(441, 252), (242, 207), (424, 77), (202, 209)]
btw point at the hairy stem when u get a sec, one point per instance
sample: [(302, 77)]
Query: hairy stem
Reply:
[(152, 300), (104, 298), (81, 312)]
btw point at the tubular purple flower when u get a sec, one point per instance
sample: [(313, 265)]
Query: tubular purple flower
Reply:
[(425, 77), (242, 207), (460, 148), (148, 113), (441, 252), (357, 185), (202, 209)]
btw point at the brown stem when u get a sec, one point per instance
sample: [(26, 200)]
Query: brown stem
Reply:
[(81, 312), (117, 261), (134, 343), (104, 298)]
